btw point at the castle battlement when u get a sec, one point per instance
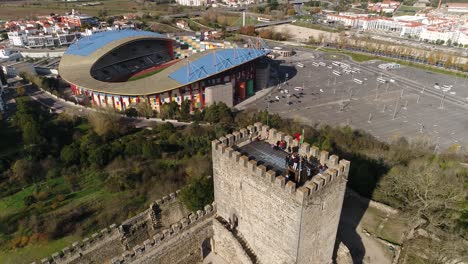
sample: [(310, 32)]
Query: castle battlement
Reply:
[(165, 235), (75, 250), (226, 147)]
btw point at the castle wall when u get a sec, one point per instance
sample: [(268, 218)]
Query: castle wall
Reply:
[(227, 247), (179, 244), (99, 248)]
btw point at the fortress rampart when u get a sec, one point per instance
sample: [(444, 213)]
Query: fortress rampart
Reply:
[(180, 243)]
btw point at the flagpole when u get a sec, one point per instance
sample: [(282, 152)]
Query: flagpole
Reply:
[(300, 158)]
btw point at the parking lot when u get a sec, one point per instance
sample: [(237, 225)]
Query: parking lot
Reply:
[(394, 106)]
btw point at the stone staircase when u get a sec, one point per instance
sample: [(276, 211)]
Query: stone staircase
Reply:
[(246, 247)]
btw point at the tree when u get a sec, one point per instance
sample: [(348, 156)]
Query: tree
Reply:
[(198, 193), (248, 30), (266, 34), (428, 189), (169, 110), (25, 171), (291, 12), (144, 109), (70, 154), (185, 110), (106, 122)]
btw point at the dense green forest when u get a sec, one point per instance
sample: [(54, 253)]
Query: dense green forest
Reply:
[(66, 177)]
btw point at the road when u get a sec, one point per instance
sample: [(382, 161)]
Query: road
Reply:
[(58, 106)]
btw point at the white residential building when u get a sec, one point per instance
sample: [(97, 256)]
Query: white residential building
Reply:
[(17, 38), (191, 2)]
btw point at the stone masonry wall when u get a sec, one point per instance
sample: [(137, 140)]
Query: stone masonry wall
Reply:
[(270, 211), (96, 249), (179, 244), (227, 246)]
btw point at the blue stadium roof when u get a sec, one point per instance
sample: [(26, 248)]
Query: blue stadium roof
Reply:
[(215, 62), (87, 45)]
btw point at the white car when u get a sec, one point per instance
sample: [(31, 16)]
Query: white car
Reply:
[(298, 88), (329, 66), (277, 98)]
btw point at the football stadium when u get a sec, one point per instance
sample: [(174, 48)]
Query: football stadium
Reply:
[(123, 68)]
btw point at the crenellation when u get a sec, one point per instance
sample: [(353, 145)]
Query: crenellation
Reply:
[(251, 130), (323, 157), (244, 134), (208, 208), (193, 218), (56, 256), (165, 198), (344, 164), (314, 152), (289, 140), (264, 132), (184, 222), (223, 140), (333, 161), (279, 136), (236, 136), (280, 181), (230, 140), (261, 171), (166, 233), (320, 181), (66, 251), (302, 193), (128, 255), (236, 156), (117, 260), (228, 152), (273, 133), (304, 150), (200, 214), (45, 261), (243, 161), (252, 165), (290, 187), (311, 185), (158, 237), (138, 249), (258, 127), (149, 243), (176, 228), (271, 176)]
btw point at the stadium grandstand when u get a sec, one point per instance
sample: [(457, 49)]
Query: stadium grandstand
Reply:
[(121, 69)]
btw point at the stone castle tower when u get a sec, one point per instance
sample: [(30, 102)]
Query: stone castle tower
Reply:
[(280, 221)]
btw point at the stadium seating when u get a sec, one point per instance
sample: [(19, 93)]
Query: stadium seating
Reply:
[(119, 64)]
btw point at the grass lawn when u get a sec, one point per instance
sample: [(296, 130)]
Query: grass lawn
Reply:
[(146, 75), (37, 251)]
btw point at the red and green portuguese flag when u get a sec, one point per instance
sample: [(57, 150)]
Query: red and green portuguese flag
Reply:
[(300, 137)]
